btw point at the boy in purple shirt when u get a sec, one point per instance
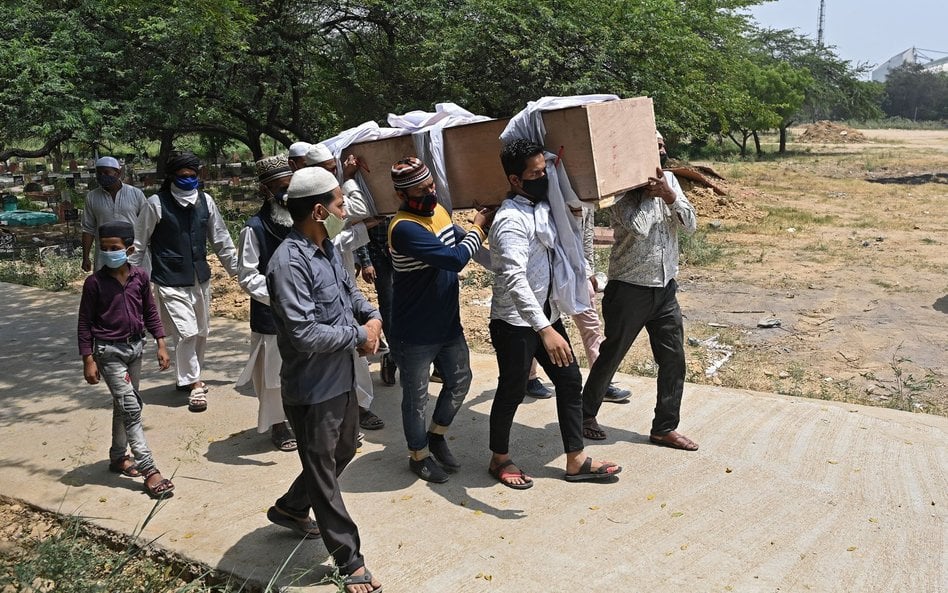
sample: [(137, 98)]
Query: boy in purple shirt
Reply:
[(116, 308)]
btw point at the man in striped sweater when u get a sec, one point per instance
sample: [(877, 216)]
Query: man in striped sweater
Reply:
[(428, 250)]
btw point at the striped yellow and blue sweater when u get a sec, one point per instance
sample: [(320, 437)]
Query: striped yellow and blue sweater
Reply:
[(427, 254)]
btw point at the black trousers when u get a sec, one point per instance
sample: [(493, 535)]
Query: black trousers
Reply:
[(326, 436), (516, 347), (626, 309)]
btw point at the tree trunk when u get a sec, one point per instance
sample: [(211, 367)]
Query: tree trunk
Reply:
[(783, 138), (56, 155), (757, 143), (164, 152), (253, 142)]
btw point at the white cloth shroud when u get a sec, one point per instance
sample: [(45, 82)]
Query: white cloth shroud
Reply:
[(565, 234), (428, 136)]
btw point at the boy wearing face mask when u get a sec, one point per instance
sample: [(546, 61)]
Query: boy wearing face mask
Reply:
[(115, 310), (428, 250), (175, 227), (258, 241), (111, 201)]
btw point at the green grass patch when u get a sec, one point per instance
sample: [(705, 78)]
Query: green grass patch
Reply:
[(53, 273), (697, 249), (784, 217)]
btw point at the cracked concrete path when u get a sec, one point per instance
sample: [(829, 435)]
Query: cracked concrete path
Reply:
[(786, 494)]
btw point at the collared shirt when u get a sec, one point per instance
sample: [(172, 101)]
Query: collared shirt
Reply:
[(100, 208), (645, 252), (217, 233), (110, 312), (319, 314), (522, 267)]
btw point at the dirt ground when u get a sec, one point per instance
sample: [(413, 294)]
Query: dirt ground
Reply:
[(854, 271)]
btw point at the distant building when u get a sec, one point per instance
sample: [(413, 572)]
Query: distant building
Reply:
[(909, 56)]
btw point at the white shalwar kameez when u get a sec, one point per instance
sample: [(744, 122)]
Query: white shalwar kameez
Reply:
[(263, 366), (186, 310)]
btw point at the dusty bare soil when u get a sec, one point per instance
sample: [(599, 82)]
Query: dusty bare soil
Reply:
[(853, 270)]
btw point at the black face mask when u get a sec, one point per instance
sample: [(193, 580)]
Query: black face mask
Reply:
[(662, 159), (537, 188)]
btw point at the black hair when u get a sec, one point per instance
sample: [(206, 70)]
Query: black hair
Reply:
[(118, 230), (515, 154), (300, 208)]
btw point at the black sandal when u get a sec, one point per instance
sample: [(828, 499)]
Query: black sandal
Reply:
[(368, 420)]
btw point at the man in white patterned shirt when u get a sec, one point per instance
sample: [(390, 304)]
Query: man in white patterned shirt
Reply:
[(642, 293)]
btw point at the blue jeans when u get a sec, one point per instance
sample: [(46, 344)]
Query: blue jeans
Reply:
[(453, 360), (120, 367)]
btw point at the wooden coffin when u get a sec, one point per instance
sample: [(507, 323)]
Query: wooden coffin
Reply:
[(378, 156), (472, 163), (607, 148)]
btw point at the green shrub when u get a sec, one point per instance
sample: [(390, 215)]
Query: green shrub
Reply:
[(697, 250)]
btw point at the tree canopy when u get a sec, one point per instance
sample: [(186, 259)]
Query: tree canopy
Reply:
[(90, 72)]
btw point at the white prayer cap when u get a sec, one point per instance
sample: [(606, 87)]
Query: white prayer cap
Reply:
[(317, 154), (108, 161), (299, 149), (311, 181), (659, 135)]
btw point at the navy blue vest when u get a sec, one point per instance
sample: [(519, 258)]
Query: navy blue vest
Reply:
[(269, 236), (179, 242)]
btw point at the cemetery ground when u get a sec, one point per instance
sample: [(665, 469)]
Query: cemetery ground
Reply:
[(843, 244)]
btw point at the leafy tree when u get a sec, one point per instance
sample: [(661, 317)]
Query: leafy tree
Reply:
[(915, 94), (835, 92)]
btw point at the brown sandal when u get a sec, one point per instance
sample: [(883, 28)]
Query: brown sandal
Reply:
[(162, 489), (673, 440), (124, 465), (592, 430)]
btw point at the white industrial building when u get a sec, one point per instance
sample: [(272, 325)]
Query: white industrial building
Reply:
[(913, 55)]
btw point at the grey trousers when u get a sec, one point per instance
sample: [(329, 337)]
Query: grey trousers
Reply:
[(120, 366), (326, 436)]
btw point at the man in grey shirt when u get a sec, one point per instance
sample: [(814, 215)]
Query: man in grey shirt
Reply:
[(642, 293), (110, 202), (323, 325)]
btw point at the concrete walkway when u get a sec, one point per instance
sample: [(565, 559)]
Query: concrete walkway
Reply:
[(785, 494)]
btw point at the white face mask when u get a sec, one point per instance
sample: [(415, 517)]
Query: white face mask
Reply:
[(333, 224)]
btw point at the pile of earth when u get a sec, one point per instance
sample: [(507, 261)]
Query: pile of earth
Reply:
[(711, 206), (827, 132)]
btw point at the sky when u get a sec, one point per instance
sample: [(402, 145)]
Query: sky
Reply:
[(865, 30)]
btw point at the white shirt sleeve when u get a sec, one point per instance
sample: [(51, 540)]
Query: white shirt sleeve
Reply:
[(248, 275), (144, 227), (219, 237)]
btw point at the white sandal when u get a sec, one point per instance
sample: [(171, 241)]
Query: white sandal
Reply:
[(197, 400)]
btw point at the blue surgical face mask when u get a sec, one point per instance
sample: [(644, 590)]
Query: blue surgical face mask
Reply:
[(186, 183), (115, 259)]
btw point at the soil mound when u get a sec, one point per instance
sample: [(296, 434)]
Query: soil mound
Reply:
[(711, 206), (827, 132)]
